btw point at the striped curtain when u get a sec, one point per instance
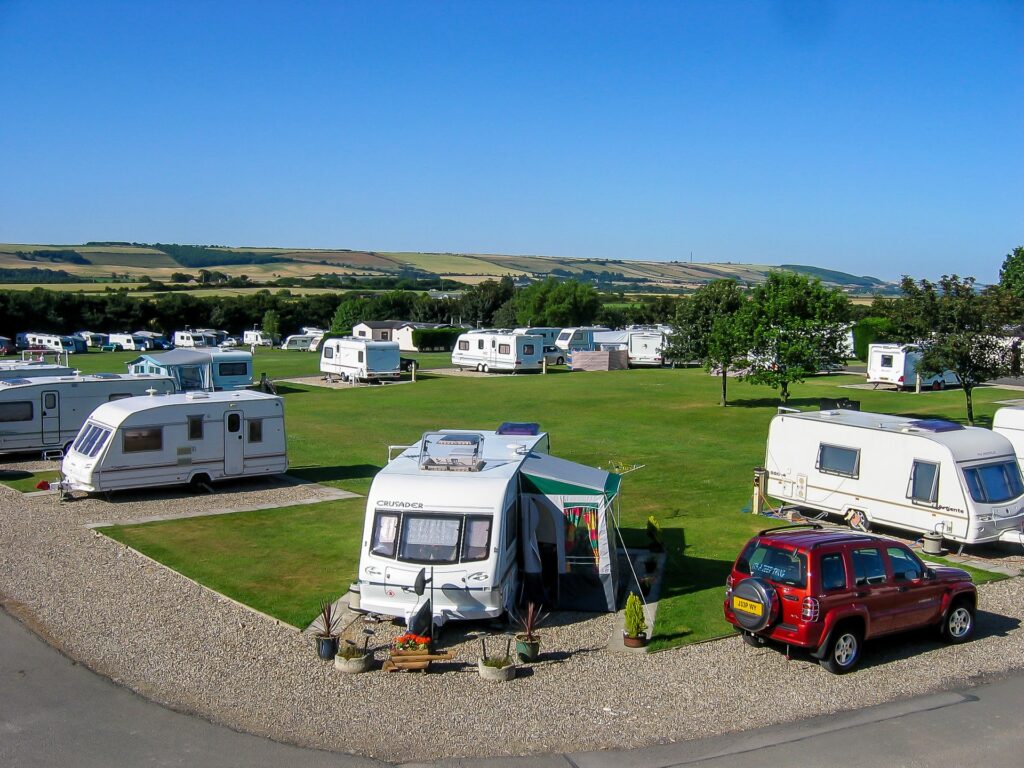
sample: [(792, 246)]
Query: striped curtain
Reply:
[(577, 516)]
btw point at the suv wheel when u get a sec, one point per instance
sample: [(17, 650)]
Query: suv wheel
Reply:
[(958, 625), (844, 650)]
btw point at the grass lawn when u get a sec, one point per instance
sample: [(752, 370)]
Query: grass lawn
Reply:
[(25, 482), (696, 478)]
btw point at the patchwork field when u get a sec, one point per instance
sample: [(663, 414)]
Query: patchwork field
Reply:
[(695, 464)]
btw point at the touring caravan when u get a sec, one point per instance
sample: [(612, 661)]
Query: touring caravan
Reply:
[(897, 364), (493, 351), (646, 348), (577, 338), (189, 339), (258, 338), (468, 507), (130, 342), (352, 359), (548, 334), (1009, 422), (204, 368), (298, 341), (24, 370), (45, 413), (195, 437), (923, 475), (92, 339), (70, 344)]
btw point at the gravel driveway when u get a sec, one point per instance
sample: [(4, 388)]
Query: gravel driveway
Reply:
[(158, 633)]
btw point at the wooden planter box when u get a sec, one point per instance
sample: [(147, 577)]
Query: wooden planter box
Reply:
[(413, 660)]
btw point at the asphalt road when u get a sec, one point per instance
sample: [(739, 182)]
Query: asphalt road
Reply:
[(56, 712)]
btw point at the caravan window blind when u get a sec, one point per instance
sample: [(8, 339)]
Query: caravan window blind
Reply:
[(143, 439), (837, 460), (476, 543), (385, 534), (504, 349), (429, 539)]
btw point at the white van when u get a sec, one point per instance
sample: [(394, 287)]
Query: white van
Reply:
[(493, 351), (45, 413), (352, 359), (896, 364), (922, 475), (578, 338), (195, 437)]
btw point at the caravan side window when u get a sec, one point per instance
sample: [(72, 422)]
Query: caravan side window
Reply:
[(924, 482), (255, 430), (143, 439), (385, 534), (476, 540), (887, 361), (479, 343), (464, 345), (233, 369), (21, 411), (328, 353), (360, 356), (504, 349), (527, 349), (195, 427), (836, 460)]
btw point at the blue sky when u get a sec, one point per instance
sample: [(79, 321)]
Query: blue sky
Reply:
[(876, 138)]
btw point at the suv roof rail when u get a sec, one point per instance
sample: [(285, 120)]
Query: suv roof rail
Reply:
[(814, 526)]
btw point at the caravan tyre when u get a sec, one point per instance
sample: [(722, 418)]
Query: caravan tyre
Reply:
[(487, 369)]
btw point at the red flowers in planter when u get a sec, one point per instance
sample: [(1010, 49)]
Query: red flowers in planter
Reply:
[(411, 642)]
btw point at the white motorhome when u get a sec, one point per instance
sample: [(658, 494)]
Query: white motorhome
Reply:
[(578, 338), (45, 413), (189, 339), (130, 341), (923, 475), (896, 364), (195, 437), (497, 351), (352, 359), (467, 507), (548, 334), (257, 338)]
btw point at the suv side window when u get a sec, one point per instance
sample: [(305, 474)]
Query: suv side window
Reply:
[(868, 566), (905, 567), (833, 572)]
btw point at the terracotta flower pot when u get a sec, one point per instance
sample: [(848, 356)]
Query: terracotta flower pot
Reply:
[(640, 641)]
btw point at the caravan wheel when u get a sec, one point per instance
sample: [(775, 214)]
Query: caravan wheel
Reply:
[(487, 369)]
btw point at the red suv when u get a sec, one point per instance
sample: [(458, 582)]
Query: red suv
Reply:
[(829, 591)]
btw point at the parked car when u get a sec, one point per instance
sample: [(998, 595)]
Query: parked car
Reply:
[(553, 355), (830, 591), (7, 347), (229, 343)]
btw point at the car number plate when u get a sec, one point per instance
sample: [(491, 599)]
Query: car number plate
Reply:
[(747, 606)]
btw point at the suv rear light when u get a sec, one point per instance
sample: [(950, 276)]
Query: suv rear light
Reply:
[(810, 609)]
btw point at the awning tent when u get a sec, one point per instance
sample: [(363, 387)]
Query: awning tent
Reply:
[(191, 370), (579, 501)]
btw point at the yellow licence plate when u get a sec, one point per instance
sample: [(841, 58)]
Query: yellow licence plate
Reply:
[(747, 606)]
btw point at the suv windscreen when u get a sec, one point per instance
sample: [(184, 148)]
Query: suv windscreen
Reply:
[(776, 564)]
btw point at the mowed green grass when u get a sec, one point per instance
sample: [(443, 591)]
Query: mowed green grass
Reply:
[(696, 461)]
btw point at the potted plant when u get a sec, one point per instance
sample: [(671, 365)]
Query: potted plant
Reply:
[(528, 640), (499, 668), (327, 632), (352, 659), (635, 633)]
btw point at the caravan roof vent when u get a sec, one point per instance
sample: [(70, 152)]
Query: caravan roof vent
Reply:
[(530, 428), (197, 395), (452, 452), (107, 375), (936, 425), (14, 382)]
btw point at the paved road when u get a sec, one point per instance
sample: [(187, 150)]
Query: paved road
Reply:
[(55, 712)]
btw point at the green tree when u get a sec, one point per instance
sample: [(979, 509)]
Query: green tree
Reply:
[(557, 304), (706, 328), (349, 312), (271, 323), (794, 327), (1011, 275)]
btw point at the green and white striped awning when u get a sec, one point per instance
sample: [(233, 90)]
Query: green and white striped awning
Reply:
[(552, 476)]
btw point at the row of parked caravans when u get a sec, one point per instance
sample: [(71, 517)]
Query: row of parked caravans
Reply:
[(922, 475)]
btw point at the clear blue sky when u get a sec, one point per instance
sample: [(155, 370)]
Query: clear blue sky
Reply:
[(879, 138)]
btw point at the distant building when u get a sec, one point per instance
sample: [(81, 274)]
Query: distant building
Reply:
[(393, 330)]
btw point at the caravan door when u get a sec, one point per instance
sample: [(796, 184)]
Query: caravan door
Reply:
[(233, 443), (50, 410)]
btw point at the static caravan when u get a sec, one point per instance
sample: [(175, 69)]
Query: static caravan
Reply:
[(204, 368), (45, 414), (896, 364), (493, 351), (478, 509), (646, 348), (923, 475), (577, 338), (352, 359), (189, 339), (258, 338), (130, 342), (548, 334), (175, 439)]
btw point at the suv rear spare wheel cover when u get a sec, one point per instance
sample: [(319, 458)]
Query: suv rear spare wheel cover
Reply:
[(755, 604)]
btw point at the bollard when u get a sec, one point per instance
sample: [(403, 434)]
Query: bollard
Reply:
[(544, 365), (413, 369), (760, 485)]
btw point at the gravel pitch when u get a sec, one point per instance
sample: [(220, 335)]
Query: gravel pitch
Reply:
[(158, 633)]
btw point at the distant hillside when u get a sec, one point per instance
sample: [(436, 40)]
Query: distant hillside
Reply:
[(160, 261)]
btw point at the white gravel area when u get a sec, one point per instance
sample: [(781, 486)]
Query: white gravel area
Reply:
[(156, 632)]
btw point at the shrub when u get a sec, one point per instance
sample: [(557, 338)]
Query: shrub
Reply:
[(635, 621)]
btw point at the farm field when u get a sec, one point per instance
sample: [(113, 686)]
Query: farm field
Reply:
[(696, 464)]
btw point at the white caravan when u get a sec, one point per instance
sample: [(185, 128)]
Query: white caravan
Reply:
[(189, 339), (130, 341), (298, 341), (352, 359), (469, 508), (498, 351), (1009, 422), (45, 414), (33, 370), (195, 437), (923, 475), (646, 348), (257, 338), (896, 364), (577, 338), (548, 334)]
